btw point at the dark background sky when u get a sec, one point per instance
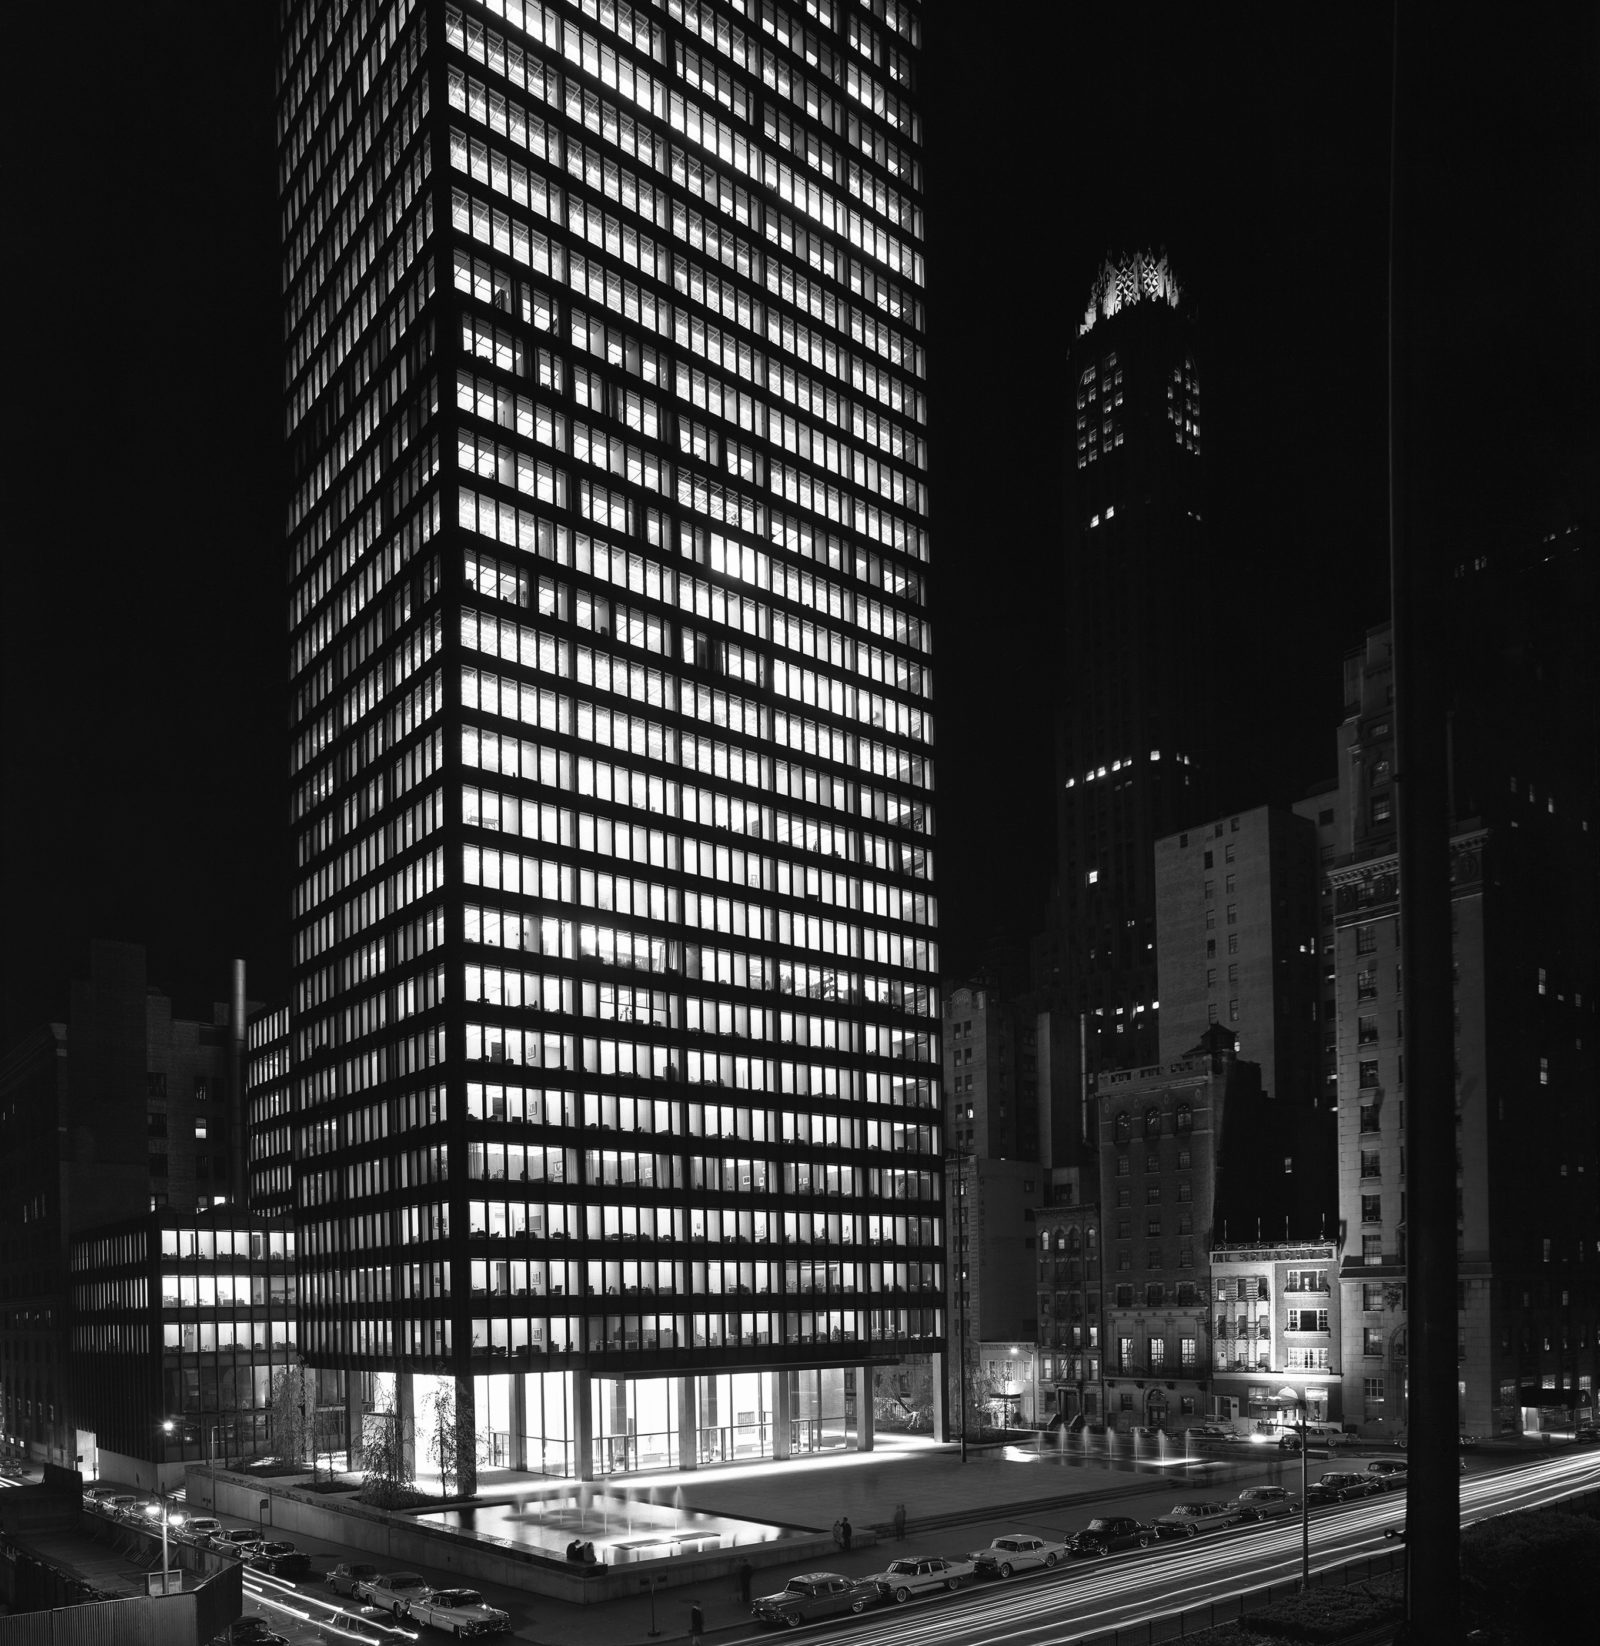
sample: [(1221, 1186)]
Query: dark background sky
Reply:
[(144, 708)]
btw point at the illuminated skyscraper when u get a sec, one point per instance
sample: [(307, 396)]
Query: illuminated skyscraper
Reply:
[(613, 1017), (1134, 759)]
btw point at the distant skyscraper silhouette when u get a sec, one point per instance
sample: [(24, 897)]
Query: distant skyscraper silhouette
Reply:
[(1134, 725)]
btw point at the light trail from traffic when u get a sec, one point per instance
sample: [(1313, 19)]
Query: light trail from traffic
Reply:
[(1088, 1597)]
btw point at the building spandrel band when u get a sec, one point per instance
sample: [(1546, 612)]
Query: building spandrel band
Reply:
[(614, 1017)]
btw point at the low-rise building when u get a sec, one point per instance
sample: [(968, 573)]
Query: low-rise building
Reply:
[(1071, 1272), (180, 1324), (1275, 1325)]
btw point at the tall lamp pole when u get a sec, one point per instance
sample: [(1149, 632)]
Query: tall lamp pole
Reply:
[(1289, 1397), (958, 1157), (161, 1508)]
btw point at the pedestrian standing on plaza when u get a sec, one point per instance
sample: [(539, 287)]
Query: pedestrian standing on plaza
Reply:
[(697, 1626), (900, 1522), (845, 1533)]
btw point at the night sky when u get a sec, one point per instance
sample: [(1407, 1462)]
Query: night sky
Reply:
[(145, 707)]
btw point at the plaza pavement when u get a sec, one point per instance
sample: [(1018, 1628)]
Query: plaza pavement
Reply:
[(951, 1507)]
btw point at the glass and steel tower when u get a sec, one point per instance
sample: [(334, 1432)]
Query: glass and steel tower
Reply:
[(613, 1024)]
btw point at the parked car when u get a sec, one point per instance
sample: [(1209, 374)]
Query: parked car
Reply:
[(394, 1591), (199, 1529), (1108, 1533), (1390, 1471), (1209, 1431), (461, 1612), (123, 1505), (817, 1594), (235, 1540), (922, 1575), (252, 1629), (344, 1577), (1017, 1553), (298, 1631), (1267, 1502), (281, 1559), (1191, 1519), (95, 1497), (1340, 1485)]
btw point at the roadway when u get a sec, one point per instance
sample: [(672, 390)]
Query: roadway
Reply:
[(1045, 1608)]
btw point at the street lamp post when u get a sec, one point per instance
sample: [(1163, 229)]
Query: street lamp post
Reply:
[(960, 1159), (162, 1509), (1289, 1397)]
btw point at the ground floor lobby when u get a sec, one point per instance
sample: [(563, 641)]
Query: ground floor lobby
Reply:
[(576, 1426)]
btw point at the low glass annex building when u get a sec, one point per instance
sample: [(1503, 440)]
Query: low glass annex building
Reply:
[(180, 1323), (614, 1101)]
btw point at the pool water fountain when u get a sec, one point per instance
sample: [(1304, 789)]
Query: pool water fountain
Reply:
[(624, 1525)]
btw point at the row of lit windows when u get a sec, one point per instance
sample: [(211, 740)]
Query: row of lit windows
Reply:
[(657, 848), (547, 935), (641, 88), (538, 706), (491, 227), (536, 534), (550, 654), (534, 877), (495, 1220)]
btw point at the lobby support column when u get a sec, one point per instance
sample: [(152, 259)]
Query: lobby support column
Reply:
[(864, 1409), (688, 1424), (464, 1441), (782, 1414), (355, 1425), (405, 1416), (583, 1423), (519, 1420)]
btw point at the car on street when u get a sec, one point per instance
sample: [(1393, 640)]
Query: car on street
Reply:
[(815, 1595), (1267, 1502), (1341, 1485), (1191, 1519), (237, 1541), (393, 1591), (1209, 1431), (252, 1629), (1391, 1471), (1016, 1552), (922, 1575), (344, 1577), (281, 1559), (1105, 1534), (1314, 1448), (297, 1631), (463, 1613)]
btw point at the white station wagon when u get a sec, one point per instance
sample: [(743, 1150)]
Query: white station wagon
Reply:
[(461, 1612)]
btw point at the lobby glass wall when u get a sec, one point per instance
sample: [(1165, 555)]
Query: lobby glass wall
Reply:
[(644, 1424)]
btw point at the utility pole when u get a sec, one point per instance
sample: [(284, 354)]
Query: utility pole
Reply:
[(1422, 630)]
